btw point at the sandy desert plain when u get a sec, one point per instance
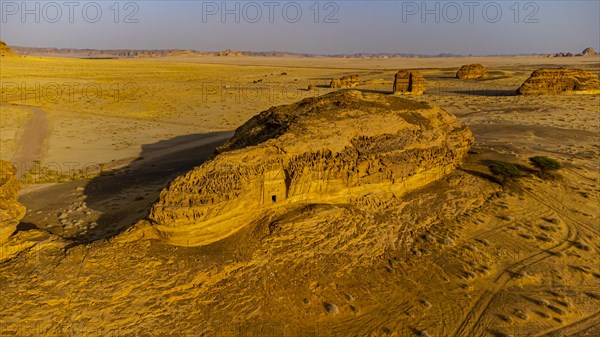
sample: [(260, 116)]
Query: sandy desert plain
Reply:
[(473, 253)]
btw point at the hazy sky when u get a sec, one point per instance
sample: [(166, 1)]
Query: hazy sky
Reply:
[(421, 27)]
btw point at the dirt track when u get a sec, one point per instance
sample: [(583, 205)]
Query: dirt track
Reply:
[(31, 145)]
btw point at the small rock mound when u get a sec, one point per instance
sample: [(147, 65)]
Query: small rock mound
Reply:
[(11, 212), (560, 81), (5, 50), (409, 82), (349, 81), (471, 71), (331, 150)]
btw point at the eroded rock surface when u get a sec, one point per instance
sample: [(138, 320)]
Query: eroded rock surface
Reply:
[(589, 52), (5, 50), (349, 81), (471, 71), (338, 149), (11, 212), (560, 81), (409, 82)]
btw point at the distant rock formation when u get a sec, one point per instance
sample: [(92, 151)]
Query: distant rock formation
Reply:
[(349, 81), (11, 212), (228, 52), (182, 53), (335, 149), (589, 52), (409, 82), (586, 52), (5, 50), (471, 71), (560, 81)]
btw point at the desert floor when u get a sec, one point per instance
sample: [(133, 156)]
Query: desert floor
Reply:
[(95, 141)]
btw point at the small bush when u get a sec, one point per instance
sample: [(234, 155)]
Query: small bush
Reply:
[(506, 170), (545, 163)]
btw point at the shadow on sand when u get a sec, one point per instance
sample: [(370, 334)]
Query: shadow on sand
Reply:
[(372, 91), (124, 197), (487, 93)]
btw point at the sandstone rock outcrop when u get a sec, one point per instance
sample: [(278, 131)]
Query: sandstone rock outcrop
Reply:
[(471, 71), (229, 52), (11, 212), (5, 50), (589, 52), (333, 149), (560, 81), (349, 81), (409, 82)]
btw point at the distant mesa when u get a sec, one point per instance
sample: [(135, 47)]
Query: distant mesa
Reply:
[(348, 81), (409, 82), (560, 81), (5, 50), (338, 149), (11, 212), (471, 71)]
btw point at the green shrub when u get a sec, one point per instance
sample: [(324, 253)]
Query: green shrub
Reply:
[(545, 163), (506, 170)]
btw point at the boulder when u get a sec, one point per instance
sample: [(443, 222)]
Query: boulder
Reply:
[(589, 51), (328, 150), (560, 81), (409, 82), (11, 212), (471, 71), (348, 81)]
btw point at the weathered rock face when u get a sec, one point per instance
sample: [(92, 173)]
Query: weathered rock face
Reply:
[(333, 149), (560, 81), (588, 52), (409, 82), (349, 81), (5, 50), (471, 71), (229, 52), (11, 212)]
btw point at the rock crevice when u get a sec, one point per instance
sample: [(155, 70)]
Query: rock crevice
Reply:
[(409, 82)]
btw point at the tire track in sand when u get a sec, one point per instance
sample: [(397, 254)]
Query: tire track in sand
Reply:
[(471, 323), (31, 144)]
